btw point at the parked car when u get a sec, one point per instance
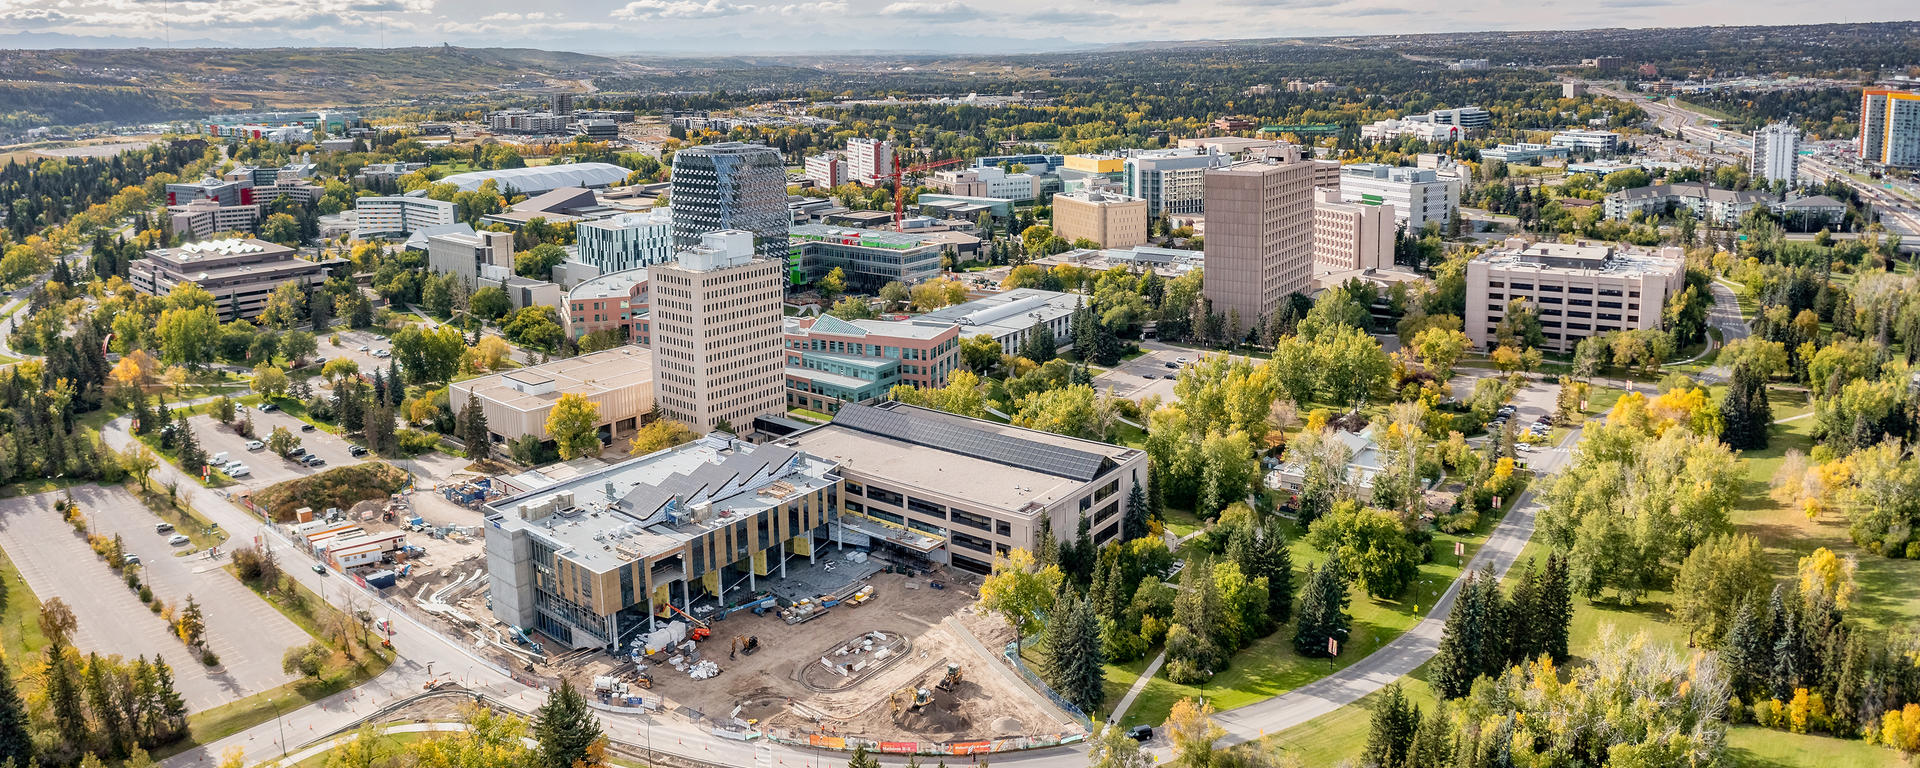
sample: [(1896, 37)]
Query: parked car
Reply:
[(219, 459), (162, 527), (238, 470), (314, 461), (1140, 733), (255, 445), (268, 408), (320, 568), (381, 353), (355, 450), (364, 347), (179, 539), (297, 452), (306, 427), (129, 559), (1171, 365)]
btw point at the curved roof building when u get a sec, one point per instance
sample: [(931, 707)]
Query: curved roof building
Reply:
[(545, 178)]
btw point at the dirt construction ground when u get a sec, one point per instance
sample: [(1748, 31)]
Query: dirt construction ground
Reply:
[(991, 701)]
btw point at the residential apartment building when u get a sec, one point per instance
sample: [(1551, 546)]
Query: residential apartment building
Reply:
[(1259, 245), (869, 161), (1577, 291), (733, 186), (615, 301), (626, 241), (1112, 221), (1713, 205), (716, 315), (1419, 196), (1350, 236), (240, 273), (832, 361), (1599, 142), (1009, 316), (958, 491), (1890, 127), (399, 215), (387, 173), (595, 560), (618, 381), (203, 218), (1172, 181), (526, 121), (869, 258), (827, 170), (1776, 154)]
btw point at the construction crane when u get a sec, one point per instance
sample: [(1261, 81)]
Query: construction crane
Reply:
[(900, 187)]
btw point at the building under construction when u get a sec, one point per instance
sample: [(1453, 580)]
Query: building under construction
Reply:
[(599, 557)]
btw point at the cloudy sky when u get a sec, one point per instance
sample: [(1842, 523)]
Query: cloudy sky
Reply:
[(774, 26)]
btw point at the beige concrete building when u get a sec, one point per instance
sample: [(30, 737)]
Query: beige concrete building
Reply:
[(1259, 243), (716, 332), (958, 491), (517, 402), (1349, 236), (1578, 290), (240, 273), (1113, 221)]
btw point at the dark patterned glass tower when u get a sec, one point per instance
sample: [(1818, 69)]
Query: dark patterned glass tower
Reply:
[(731, 185)]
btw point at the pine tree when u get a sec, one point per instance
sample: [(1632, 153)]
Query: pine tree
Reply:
[(1323, 610), (860, 758), (1396, 722), (1433, 744), (1455, 664), (1744, 652), (1086, 679), (473, 430), (1134, 524), (1279, 576), (1057, 638), (565, 729), (1526, 622), (100, 702), (64, 699), (1846, 704), (192, 458), (1556, 609), (16, 733), (396, 387), (1745, 412)]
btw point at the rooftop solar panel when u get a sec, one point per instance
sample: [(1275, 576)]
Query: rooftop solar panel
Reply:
[(977, 443)]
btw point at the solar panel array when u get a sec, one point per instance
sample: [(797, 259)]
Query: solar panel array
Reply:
[(969, 441)]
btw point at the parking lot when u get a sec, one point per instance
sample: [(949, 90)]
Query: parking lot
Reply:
[(267, 467), (1148, 374), (246, 633), (349, 348)]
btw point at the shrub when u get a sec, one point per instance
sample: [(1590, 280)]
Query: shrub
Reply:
[(1913, 550), (157, 603), (207, 658), (133, 580), (146, 596), (414, 442)]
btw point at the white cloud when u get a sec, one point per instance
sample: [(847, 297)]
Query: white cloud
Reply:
[(642, 10), (950, 10)]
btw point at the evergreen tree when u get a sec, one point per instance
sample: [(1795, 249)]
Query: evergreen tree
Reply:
[(1260, 549), (396, 387), (1396, 722), (192, 458), (100, 701), (1744, 652), (473, 430), (1433, 744), (1039, 346), (1845, 706), (1745, 412), (1056, 640), (1086, 678), (860, 758), (1526, 622), (64, 700), (16, 733), (1456, 663), (565, 729), (1323, 610), (1134, 524), (1555, 609)]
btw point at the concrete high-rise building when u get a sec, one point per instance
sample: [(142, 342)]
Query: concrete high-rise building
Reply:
[(562, 104), (869, 161), (1259, 234), (1776, 154), (1113, 221), (1890, 127), (716, 332), (626, 241), (828, 169), (1349, 236), (733, 186), (1170, 180)]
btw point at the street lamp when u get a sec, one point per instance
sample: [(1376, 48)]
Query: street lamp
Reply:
[(282, 724)]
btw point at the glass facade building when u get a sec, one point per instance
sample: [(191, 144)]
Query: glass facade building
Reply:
[(731, 185)]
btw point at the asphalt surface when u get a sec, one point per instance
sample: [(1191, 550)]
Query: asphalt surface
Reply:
[(269, 467), (247, 635)]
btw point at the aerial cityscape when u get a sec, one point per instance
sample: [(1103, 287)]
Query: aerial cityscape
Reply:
[(702, 385)]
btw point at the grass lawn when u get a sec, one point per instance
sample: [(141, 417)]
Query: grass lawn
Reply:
[(393, 741), (802, 413), (201, 530), (1341, 734), (1270, 666), (20, 634), (1751, 746)]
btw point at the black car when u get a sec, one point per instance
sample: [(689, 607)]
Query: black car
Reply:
[(269, 408), (1141, 733), (1171, 364), (306, 427), (354, 450)]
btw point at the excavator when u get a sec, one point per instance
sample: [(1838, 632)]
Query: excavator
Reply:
[(951, 680), (700, 629), (746, 645), (910, 699)]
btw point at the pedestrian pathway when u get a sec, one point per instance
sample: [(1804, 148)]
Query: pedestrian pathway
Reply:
[(1140, 684)]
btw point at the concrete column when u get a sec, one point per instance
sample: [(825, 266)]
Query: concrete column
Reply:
[(783, 558)]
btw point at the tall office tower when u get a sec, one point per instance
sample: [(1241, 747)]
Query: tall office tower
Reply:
[(717, 340), (1259, 234), (562, 104), (731, 185), (1890, 127), (1776, 154), (869, 161)]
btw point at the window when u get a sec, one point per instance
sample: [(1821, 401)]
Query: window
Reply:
[(1578, 289), (1523, 286), (971, 520), (885, 496), (1550, 288)]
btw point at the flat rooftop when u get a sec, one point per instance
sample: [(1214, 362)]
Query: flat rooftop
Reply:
[(539, 386), (1014, 310), (1004, 467), (1583, 258), (611, 285), (653, 504), (865, 238), (862, 328)]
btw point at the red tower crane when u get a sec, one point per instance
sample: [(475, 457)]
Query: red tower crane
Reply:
[(900, 187)]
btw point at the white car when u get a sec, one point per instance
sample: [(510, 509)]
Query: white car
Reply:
[(237, 469), (364, 347), (381, 353), (219, 459), (255, 445)]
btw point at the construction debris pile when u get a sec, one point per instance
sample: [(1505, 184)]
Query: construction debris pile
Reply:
[(703, 670)]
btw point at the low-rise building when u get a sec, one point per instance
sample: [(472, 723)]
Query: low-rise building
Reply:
[(869, 258), (469, 256), (987, 181), (399, 215), (202, 218), (969, 489), (1112, 221), (1350, 236), (1235, 147), (1165, 262), (222, 191), (613, 301), (1577, 290), (594, 560), (517, 402), (1601, 142), (1009, 316), (1419, 196), (1808, 214), (832, 361), (240, 273), (1524, 153), (1394, 129), (626, 241), (1720, 207), (565, 205)]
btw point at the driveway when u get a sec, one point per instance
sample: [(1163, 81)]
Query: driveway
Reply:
[(246, 633)]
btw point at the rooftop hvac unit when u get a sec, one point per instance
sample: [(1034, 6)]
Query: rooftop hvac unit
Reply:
[(563, 500)]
